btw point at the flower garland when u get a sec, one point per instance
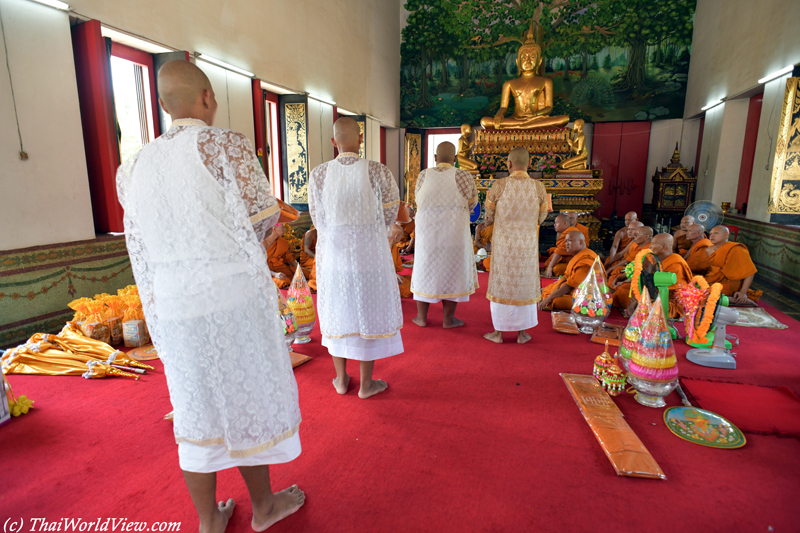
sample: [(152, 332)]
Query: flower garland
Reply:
[(698, 298), (707, 316), (636, 278)]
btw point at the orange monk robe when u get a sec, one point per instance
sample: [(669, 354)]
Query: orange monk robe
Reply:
[(561, 249), (486, 237), (279, 257), (730, 264), (577, 269), (675, 264), (306, 261), (682, 245), (633, 251), (583, 229), (405, 286), (698, 260)]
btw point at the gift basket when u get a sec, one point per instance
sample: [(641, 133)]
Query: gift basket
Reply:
[(591, 301)]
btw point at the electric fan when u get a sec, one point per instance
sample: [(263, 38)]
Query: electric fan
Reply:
[(707, 214), (718, 356)]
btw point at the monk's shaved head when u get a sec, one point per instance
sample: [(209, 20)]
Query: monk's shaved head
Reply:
[(662, 245), (630, 216), (718, 234), (561, 223), (520, 158), (644, 234), (573, 217), (687, 221), (346, 134), (184, 90), (695, 232), (575, 241), (632, 227), (446, 153)]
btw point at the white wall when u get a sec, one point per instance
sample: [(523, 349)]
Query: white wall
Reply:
[(765, 149), (394, 154), (348, 51), (234, 94), (663, 136), (373, 137), (45, 199), (737, 42), (709, 152), (320, 131)]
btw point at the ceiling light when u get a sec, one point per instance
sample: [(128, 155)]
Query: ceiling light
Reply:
[(277, 89), (134, 42), (341, 111), (54, 3), (778, 74), (320, 99), (709, 106), (225, 65)]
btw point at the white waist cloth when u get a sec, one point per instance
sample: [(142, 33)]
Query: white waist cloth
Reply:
[(419, 298), (206, 459), (362, 349), (513, 317)]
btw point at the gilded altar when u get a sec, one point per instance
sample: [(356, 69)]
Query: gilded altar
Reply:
[(784, 197)]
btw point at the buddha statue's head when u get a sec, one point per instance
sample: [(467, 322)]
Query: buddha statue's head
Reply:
[(529, 57), (577, 126), (466, 130)]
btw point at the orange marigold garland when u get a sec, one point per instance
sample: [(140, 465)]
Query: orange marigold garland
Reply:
[(636, 289), (699, 301)]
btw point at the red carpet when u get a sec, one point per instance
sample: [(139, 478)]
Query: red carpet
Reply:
[(751, 408), (470, 436)]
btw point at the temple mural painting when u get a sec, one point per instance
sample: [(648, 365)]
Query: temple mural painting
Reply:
[(608, 61)]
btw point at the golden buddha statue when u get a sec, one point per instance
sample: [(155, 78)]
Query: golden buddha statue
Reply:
[(464, 148), (533, 95), (577, 144)]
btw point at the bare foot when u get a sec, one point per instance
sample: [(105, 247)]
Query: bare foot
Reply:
[(420, 322), (342, 386), (376, 386), (494, 336), (221, 518), (453, 324), (523, 337), (284, 503)]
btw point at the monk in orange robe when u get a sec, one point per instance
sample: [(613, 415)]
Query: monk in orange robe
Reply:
[(621, 240), (559, 294), (573, 221), (308, 257), (732, 267), (483, 239), (696, 257), (681, 239), (406, 243), (403, 281), (642, 236), (279, 257), (662, 246), (559, 256)]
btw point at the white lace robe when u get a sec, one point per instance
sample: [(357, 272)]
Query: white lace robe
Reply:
[(352, 202), (197, 205), (444, 263)]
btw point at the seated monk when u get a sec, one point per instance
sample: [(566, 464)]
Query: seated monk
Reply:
[(662, 246), (730, 265), (279, 258), (573, 221), (483, 239), (642, 236), (621, 240), (406, 243), (559, 257), (558, 295), (308, 257), (696, 257), (682, 242), (403, 281)]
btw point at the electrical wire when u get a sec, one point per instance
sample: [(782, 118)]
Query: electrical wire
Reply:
[(11, 85)]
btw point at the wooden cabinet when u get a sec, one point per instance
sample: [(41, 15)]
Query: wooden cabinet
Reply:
[(673, 187)]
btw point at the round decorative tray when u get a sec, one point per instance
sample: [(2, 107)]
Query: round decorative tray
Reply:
[(703, 427), (144, 353)]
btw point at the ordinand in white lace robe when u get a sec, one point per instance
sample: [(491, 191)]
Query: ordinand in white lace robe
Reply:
[(352, 203), (197, 206), (444, 263), (518, 206)]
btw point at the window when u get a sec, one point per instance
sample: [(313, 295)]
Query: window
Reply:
[(434, 139), (273, 163)]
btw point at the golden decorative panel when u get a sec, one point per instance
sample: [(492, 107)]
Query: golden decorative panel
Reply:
[(297, 152), (413, 165), (784, 195), (362, 127)]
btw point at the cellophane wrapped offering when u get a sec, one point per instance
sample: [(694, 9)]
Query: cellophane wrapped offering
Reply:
[(115, 308), (632, 333), (135, 334), (564, 322), (654, 359), (94, 326), (593, 297), (302, 306), (288, 321)]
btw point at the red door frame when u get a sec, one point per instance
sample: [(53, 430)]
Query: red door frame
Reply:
[(143, 59), (383, 145), (749, 150), (271, 99)]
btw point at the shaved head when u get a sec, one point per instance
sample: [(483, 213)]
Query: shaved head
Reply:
[(644, 234), (662, 245), (573, 217), (695, 232), (561, 223), (446, 153), (632, 227), (185, 91), (519, 158), (631, 216), (686, 222), (718, 234), (346, 135), (575, 241)]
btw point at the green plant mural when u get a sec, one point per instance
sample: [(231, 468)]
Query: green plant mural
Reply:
[(610, 60)]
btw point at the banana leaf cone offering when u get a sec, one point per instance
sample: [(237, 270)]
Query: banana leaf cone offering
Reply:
[(633, 332), (302, 306)]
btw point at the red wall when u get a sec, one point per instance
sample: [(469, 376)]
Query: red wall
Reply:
[(620, 149), (699, 146), (383, 145), (749, 150)]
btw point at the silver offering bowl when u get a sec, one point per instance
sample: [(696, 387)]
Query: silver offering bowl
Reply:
[(587, 324), (651, 393)]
